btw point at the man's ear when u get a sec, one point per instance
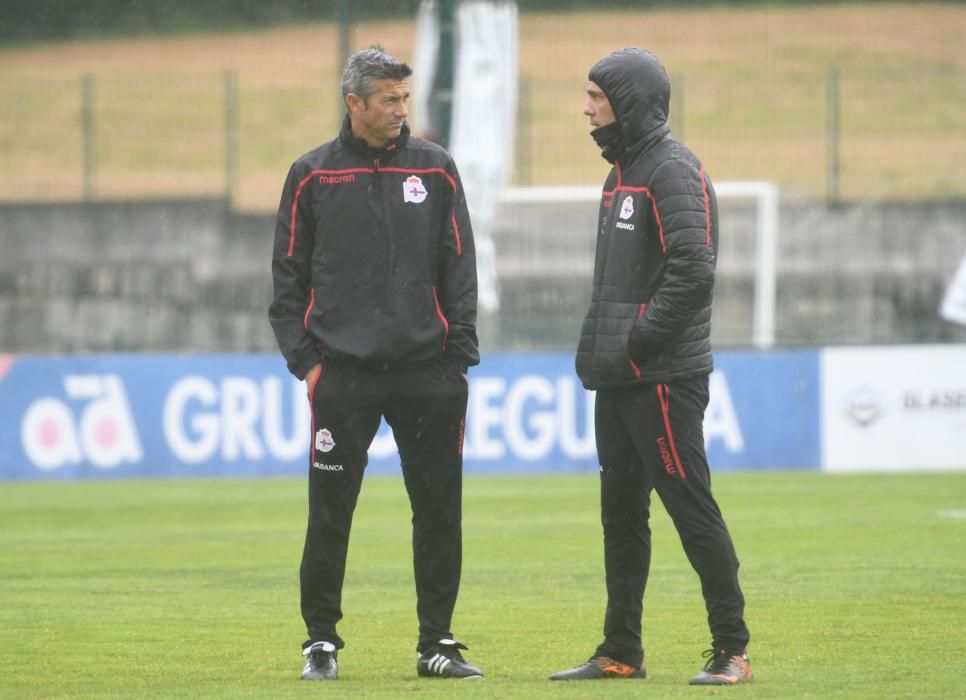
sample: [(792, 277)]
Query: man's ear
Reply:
[(355, 103)]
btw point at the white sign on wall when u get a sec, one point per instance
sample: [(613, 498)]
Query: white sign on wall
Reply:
[(894, 408)]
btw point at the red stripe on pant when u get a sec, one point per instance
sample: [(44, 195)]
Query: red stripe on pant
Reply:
[(311, 392), (667, 445)]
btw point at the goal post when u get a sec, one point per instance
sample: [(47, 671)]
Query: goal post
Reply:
[(765, 197)]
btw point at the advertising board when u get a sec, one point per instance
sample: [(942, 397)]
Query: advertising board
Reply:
[(118, 416), (894, 408)]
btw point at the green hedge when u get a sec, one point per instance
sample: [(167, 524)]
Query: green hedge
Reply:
[(27, 20), (31, 20)]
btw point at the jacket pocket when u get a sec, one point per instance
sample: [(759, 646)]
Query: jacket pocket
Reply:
[(442, 318), (631, 337), (314, 386)]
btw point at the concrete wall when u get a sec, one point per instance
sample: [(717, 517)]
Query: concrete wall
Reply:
[(191, 276), (133, 276), (873, 272)]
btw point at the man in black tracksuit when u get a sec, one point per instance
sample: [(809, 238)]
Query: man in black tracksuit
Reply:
[(645, 348), (375, 307)]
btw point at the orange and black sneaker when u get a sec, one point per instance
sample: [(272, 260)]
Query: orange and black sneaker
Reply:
[(724, 667), (600, 667)]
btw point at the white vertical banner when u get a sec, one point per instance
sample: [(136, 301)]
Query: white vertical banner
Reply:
[(900, 408), (424, 60), (483, 115)]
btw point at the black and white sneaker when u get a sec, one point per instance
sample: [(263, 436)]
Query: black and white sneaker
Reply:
[(320, 662), (444, 660)]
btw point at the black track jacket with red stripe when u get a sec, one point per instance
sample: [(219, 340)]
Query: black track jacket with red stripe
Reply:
[(649, 319), (374, 258)]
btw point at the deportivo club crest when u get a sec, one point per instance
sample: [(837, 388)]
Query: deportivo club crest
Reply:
[(627, 207), (324, 441), (413, 190)]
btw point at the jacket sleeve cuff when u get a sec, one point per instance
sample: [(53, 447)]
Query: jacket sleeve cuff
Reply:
[(301, 366), (458, 357)]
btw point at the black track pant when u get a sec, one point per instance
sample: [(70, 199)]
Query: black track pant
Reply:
[(425, 407), (652, 437)]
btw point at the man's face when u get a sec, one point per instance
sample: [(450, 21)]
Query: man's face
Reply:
[(379, 119), (598, 107)]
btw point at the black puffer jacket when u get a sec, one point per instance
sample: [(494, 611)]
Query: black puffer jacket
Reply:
[(649, 319)]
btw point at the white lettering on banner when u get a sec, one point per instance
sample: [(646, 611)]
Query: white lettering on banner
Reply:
[(541, 422), (240, 403), (48, 435), (721, 420), (482, 417), (239, 417), (204, 426), (104, 434), (534, 415), (526, 420), (274, 423), (539, 415), (571, 442)]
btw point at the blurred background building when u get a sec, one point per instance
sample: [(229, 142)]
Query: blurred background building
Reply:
[(143, 147)]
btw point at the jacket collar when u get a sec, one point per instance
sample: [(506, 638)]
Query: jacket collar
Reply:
[(632, 151), (360, 146)]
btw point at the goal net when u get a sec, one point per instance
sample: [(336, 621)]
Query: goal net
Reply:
[(544, 240)]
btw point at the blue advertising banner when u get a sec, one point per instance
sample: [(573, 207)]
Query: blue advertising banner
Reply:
[(120, 416), (764, 411)]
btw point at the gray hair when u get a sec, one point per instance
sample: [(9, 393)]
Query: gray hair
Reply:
[(367, 65)]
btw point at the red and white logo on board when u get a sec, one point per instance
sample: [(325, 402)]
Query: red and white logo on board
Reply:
[(413, 190)]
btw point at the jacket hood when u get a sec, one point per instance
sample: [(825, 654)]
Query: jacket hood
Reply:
[(638, 89)]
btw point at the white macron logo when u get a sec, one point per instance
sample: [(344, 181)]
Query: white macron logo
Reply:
[(627, 208), (413, 190)]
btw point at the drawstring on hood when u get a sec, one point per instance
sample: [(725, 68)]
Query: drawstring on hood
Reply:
[(639, 92)]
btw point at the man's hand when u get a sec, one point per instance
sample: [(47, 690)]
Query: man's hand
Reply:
[(311, 377)]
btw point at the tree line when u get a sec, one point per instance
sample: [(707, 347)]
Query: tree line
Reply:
[(38, 20)]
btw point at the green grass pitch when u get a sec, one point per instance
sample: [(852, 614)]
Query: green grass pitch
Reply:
[(855, 587)]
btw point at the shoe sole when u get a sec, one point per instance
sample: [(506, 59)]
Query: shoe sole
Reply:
[(451, 678), (721, 680), (637, 674), (599, 678)]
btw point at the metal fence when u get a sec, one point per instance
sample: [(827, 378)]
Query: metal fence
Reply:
[(162, 123)]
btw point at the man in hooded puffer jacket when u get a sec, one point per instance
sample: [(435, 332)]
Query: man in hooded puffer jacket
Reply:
[(645, 348)]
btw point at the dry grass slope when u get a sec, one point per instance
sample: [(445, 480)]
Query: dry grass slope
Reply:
[(750, 88)]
